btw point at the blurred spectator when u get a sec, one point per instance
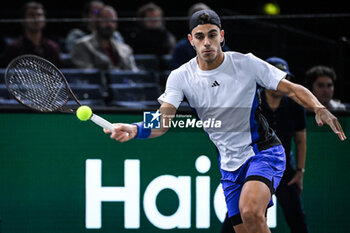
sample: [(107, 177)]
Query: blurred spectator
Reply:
[(288, 120), (151, 36), (320, 81), (183, 50), (100, 49), (89, 12), (33, 41)]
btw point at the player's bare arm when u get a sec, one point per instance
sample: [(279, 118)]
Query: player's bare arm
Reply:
[(168, 112), (305, 98), (125, 132)]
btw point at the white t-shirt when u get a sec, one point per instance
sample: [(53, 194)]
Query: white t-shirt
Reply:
[(229, 94)]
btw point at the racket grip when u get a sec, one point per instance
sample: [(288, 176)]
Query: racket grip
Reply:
[(102, 122)]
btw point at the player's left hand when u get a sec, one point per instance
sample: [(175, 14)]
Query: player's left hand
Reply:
[(298, 180), (323, 116)]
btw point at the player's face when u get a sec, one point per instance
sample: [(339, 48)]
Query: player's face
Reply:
[(206, 40), (323, 89)]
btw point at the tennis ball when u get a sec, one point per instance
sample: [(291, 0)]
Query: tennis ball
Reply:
[(84, 113), (271, 9)]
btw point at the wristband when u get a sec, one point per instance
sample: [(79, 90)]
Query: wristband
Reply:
[(142, 133), (302, 170)]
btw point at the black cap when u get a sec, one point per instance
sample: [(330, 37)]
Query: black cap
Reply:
[(209, 17)]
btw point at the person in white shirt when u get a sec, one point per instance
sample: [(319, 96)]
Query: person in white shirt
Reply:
[(223, 85)]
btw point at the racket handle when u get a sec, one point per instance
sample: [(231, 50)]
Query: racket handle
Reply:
[(102, 122)]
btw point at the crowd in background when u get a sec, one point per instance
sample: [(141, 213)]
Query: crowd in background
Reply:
[(99, 44)]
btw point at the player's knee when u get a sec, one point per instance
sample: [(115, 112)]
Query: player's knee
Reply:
[(251, 215)]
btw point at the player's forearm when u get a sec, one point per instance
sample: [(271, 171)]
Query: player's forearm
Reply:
[(304, 97), (141, 132), (166, 117), (167, 113), (158, 132)]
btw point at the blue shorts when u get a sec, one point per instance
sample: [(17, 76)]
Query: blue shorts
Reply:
[(266, 166)]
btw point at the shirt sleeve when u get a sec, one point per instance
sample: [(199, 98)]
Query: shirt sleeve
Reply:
[(173, 92), (267, 75)]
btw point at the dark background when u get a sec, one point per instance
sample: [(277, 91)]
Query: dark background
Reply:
[(72, 9), (303, 42)]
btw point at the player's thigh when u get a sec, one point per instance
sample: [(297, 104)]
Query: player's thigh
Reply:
[(255, 197)]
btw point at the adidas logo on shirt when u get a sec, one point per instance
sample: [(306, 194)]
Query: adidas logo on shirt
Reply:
[(215, 84)]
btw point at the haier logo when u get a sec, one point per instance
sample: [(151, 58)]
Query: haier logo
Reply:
[(130, 195)]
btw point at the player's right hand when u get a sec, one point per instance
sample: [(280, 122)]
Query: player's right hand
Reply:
[(122, 132)]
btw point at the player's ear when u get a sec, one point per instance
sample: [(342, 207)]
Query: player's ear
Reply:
[(190, 39), (222, 33)]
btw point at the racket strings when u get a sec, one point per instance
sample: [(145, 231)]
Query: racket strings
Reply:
[(37, 84)]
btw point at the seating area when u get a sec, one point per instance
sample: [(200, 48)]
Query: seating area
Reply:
[(93, 87)]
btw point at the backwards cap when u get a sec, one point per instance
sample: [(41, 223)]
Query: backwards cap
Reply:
[(210, 18)]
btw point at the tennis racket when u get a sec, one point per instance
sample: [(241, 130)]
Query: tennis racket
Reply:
[(38, 84)]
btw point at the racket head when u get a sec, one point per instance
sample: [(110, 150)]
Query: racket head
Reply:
[(37, 83)]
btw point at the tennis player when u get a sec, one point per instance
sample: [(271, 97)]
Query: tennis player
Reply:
[(223, 85)]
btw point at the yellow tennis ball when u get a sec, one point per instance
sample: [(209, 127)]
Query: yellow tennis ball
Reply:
[(271, 9), (84, 113)]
